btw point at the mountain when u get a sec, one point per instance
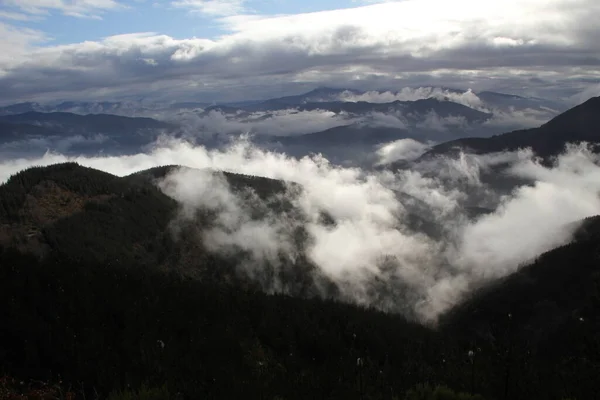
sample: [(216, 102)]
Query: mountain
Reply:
[(412, 110), (33, 133), (20, 108), (94, 288), (102, 107), (79, 107), (353, 144), (437, 114), (540, 321), (85, 214), (15, 131), (189, 105), (65, 208), (559, 288), (355, 141), (328, 95), (486, 101), (427, 113), (112, 330), (320, 94), (70, 123), (579, 124), (506, 101), (317, 95), (341, 136)]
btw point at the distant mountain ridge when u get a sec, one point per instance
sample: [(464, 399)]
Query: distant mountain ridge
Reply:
[(63, 207), (318, 95), (101, 123), (579, 124), (95, 289), (410, 109), (355, 120), (32, 132)]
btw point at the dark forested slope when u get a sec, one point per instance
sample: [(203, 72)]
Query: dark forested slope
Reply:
[(543, 319), (92, 289), (579, 124), (92, 216)]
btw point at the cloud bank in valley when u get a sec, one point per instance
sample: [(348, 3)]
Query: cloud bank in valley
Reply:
[(372, 243), (288, 122), (293, 121)]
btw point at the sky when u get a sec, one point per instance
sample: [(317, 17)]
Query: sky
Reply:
[(225, 50)]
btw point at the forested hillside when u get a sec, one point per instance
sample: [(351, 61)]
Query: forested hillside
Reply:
[(97, 294), (579, 124)]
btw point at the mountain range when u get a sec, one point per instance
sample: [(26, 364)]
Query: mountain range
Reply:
[(110, 285), (102, 248), (364, 119), (78, 134), (484, 99)]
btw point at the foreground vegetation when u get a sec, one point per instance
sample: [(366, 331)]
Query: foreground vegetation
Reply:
[(115, 328), (11, 389)]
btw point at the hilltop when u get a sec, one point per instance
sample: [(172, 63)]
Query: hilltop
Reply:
[(83, 214)]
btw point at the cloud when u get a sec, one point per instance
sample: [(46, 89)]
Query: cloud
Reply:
[(373, 251), (212, 7), (542, 215), (288, 122), (434, 122), (233, 228), (519, 118), (73, 8), (388, 120), (40, 145), (467, 98), (293, 122), (16, 42), (403, 149), (592, 90), (500, 45)]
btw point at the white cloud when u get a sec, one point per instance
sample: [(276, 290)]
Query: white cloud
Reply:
[(467, 98), (233, 227), (16, 16), (424, 27), (75, 8), (16, 43), (524, 118), (212, 7), (592, 90), (434, 122), (288, 122), (531, 221), (403, 149), (372, 222)]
